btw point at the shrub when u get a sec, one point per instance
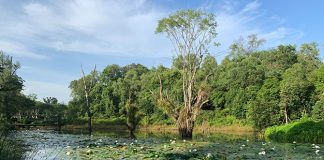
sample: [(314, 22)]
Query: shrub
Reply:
[(9, 146), (304, 130), (318, 110)]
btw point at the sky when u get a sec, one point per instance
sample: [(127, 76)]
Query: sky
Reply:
[(52, 38)]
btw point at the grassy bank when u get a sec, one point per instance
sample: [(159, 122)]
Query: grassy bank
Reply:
[(300, 131), (119, 125)]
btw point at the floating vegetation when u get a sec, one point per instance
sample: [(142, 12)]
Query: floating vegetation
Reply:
[(50, 145)]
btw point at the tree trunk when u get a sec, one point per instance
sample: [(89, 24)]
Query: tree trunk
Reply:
[(185, 124), (286, 115), (89, 125), (185, 133), (132, 134), (59, 123)]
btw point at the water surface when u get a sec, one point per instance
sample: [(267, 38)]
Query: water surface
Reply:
[(48, 144)]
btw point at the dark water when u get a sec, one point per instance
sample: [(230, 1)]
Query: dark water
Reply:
[(47, 144)]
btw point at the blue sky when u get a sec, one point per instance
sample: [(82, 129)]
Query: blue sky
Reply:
[(51, 39)]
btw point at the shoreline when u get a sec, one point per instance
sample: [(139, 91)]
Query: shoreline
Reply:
[(229, 129)]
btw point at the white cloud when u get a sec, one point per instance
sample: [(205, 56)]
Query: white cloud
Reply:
[(282, 35), (41, 29), (124, 27), (91, 27), (19, 50)]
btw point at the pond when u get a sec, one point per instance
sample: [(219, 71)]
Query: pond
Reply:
[(47, 144)]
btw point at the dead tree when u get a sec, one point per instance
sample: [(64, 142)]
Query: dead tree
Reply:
[(87, 89)]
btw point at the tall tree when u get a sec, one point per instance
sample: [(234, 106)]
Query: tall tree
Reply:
[(130, 87), (10, 87), (88, 85), (245, 47), (192, 33), (295, 91), (81, 90)]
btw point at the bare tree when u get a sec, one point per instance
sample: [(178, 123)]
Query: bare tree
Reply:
[(88, 84)]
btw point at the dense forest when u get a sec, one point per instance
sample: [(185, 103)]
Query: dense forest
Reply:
[(260, 88)]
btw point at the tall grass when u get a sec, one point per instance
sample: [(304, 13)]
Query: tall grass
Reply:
[(10, 147), (304, 130)]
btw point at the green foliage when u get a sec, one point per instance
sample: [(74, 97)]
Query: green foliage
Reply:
[(304, 130), (318, 110), (295, 92), (10, 149), (265, 110), (10, 87), (243, 48)]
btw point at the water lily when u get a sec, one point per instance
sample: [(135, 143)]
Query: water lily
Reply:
[(243, 145), (247, 140), (89, 151), (294, 142), (184, 141), (317, 147), (262, 153), (209, 155), (68, 153), (173, 142), (195, 150), (317, 151)]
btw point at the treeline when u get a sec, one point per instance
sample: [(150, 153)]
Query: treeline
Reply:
[(257, 87), (249, 87), (17, 108)]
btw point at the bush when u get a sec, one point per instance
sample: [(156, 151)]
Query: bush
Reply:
[(304, 130), (318, 110), (9, 147)]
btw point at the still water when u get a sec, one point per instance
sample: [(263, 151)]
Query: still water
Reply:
[(48, 144)]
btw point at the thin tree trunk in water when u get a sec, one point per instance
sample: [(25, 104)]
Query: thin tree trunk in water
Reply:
[(286, 115), (59, 123), (86, 91), (132, 134), (89, 124)]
